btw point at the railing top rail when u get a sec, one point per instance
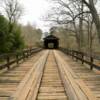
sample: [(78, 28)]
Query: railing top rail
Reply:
[(93, 55), (15, 53), (10, 58)]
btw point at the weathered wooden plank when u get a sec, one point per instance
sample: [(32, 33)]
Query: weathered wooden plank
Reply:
[(86, 90), (9, 80), (51, 87), (91, 78), (31, 79), (4, 98), (52, 97), (72, 88)]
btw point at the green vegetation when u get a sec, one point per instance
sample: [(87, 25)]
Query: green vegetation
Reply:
[(10, 41), (4, 35), (13, 36), (10, 31)]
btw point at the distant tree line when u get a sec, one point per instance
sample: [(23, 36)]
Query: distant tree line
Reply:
[(32, 35)]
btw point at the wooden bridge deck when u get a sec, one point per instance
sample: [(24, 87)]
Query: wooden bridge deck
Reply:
[(90, 78), (50, 75), (9, 80), (51, 87)]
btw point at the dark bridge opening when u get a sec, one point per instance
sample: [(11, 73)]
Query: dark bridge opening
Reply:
[(51, 42)]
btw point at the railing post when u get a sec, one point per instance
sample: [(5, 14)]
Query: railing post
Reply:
[(23, 55), (27, 53), (91, 61), (8, 61), (67, 51), (17, 58), (76, 56), (82, 58), (72, 54), (30, 52)]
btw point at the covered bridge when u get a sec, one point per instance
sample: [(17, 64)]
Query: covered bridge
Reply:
[(51, 41)]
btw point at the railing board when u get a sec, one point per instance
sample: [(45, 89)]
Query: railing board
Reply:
[(12, 58), (82, 57)]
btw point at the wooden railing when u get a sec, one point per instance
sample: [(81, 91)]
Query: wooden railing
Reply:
[(8, 59), (89, 59)]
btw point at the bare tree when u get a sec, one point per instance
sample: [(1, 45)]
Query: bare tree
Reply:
[(70, 14), (31, 34), (13, 11), (73, 14), (91, 5)]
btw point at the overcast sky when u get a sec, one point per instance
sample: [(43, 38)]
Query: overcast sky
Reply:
[(34, 10)]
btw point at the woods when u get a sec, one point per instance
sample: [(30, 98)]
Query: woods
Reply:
[(13, 35), (80, 22), (9, 41), (76, 23), (32, 35), (10, 30)]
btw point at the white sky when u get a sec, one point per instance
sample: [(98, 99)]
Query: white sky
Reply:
[(34, 10)]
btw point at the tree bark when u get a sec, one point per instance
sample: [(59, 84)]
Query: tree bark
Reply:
[(95, 15)]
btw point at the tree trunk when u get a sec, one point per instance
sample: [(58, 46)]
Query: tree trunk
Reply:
[(81, 36), (95, 15)]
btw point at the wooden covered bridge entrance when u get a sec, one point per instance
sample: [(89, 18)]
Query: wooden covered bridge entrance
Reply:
[(48, 75), (51, 41)]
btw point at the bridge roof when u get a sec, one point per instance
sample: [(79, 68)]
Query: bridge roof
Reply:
[(51, 37)]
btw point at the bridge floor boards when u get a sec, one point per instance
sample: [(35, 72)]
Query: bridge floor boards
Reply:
[(9, 80), (90, 78), (51, 87), (52, 77)]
